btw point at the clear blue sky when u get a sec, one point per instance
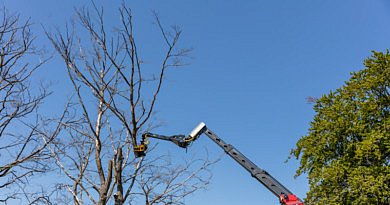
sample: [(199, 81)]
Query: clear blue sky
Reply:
[(254, 63)]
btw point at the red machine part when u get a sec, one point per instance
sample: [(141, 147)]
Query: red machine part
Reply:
[(289, 199)]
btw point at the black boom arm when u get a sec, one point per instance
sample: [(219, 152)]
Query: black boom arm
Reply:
[(285, 196)]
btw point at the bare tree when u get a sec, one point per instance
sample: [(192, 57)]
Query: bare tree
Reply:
[(22, 139), (115, 98)]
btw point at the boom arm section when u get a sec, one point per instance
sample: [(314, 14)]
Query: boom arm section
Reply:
[(285, 196), (179, 140)]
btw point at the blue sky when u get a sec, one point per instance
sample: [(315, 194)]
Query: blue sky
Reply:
[(253, 65)]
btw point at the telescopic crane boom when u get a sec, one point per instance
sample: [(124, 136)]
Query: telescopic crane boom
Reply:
[(286, 197)]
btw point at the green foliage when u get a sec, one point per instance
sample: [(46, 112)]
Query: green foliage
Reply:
[(346, 152)]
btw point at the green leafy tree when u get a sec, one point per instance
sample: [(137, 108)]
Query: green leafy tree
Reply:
[(346, 152)]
